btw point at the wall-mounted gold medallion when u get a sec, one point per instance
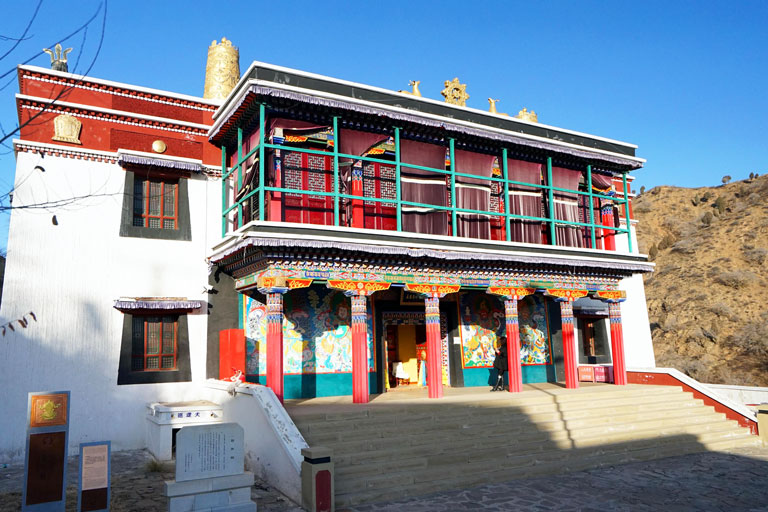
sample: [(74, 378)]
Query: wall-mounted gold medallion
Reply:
[(66, 128), (159, 146)]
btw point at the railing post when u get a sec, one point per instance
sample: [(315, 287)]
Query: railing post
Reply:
[(239, 175), (551, 195), (454, 227), (591, 206), (505, 193), (262, 127), (335, 170), (223, 190), (398, 192)]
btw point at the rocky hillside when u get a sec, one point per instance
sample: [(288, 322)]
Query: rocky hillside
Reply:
[(708, 299)]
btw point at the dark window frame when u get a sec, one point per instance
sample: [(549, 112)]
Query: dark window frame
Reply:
[(180, 373), (182, 231)]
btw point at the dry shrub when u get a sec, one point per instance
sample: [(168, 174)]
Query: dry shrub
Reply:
[(752, 338), (736, 278), (721, 309), (756, 255)]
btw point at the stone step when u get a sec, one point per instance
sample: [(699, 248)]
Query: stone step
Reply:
[(360, 440)]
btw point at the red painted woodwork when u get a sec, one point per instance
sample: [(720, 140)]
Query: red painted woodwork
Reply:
[(275, 374), (379, 182), (323, 501), (303, 171), (665, 379), (569, 345), (617, 345), (434, 355), (358, 220), (231, 352), (609, 236), (359, 349), (513, 346)]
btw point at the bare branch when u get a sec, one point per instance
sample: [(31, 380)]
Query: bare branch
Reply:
[(26, 30)]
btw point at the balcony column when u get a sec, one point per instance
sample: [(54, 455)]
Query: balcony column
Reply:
[(358, 220), (274, 288), (617, 344), (358, 292), (511, 296), (432, 295), (276, 198)]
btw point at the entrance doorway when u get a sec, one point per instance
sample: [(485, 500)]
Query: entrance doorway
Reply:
[(404, 340)]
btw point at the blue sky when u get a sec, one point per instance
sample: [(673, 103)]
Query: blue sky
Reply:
[(685, 81)]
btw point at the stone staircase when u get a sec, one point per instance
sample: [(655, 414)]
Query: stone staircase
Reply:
[(401, 445)]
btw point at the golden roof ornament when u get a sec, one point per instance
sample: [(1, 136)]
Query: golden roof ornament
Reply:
[(222, 71), (492, 108), (527, 116), (58, 57), (66, 128), (455, 93), (415, 85)]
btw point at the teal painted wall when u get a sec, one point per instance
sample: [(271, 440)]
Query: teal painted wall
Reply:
[(487, 376), (310, 385)]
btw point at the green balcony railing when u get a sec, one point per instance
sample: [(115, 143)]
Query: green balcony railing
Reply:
[(262, 188)]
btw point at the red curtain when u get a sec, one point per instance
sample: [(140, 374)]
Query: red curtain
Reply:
[(525, 201), (422, 186), (473, 193), (566, 206)]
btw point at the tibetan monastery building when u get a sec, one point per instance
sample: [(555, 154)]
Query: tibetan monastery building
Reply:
[(323, 237)]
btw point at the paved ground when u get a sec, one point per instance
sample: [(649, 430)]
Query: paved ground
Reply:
[(734, 481)]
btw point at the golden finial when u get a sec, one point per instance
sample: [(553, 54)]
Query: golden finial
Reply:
[(455, 93), (492, 108), (415, 85), (527, 116), (58, 57), (222, 72)]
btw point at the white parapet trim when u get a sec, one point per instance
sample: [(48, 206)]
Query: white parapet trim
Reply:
[(704, 389), (746, 395), (273, 444)]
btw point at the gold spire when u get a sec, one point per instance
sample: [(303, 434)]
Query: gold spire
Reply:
[(222, 72)]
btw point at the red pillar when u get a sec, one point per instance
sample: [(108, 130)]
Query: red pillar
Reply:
[(617, 344), (513, 346), (359, 349), (569, 348), (358, 220), (274, 199), (434, 355), (275, 342)]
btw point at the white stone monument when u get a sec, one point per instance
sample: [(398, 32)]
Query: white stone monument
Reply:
[(165, 417), (210, 470)]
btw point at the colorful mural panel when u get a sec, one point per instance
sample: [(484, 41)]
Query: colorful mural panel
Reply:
[(482, 323), (535, 346), (316, 333)]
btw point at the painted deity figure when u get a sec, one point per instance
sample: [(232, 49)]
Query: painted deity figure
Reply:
[(534, 346)]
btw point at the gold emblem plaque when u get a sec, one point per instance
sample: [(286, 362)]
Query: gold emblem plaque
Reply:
[(48, 410)]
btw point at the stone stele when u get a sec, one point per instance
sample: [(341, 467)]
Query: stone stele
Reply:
[(207, 451)]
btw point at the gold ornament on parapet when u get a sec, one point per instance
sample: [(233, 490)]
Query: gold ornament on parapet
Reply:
[(66, 128), (455, 93), (58, 57), (222, 72), (525, 115), (415, 85), (492, 108)]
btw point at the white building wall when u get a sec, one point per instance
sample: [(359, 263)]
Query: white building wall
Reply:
[(69, 274)]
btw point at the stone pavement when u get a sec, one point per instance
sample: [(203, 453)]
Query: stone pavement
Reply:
[(137, 485), (733, 481)]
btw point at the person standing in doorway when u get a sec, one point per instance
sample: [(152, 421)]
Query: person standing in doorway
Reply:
[(500, 363)]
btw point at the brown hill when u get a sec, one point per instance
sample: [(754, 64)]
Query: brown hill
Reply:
[(706, 302)]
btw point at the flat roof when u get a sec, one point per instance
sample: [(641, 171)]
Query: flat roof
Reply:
[(264, 73)]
